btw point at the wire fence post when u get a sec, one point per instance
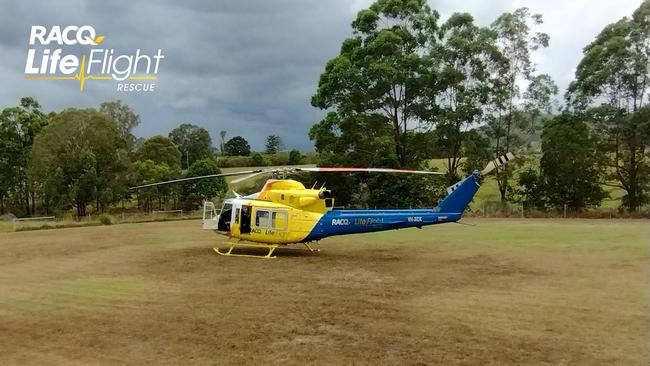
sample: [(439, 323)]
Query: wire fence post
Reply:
[(564, 211)]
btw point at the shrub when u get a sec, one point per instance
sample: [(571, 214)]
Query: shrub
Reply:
[(294, 157), (106, 219), (258, 160), (278, 158)]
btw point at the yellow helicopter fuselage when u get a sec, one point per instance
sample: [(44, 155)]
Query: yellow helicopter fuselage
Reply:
[(285, 212)]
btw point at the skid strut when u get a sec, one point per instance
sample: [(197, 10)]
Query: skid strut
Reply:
[(311, 249), (270, 247)]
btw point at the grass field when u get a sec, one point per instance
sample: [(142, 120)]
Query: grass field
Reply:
[(528, 292)]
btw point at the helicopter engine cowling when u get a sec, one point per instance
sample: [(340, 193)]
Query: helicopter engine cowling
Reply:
[(326, 193)]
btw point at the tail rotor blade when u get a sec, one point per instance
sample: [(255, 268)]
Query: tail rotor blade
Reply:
[(501, 160)]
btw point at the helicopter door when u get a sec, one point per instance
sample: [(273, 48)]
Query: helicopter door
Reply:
[(245, 225)]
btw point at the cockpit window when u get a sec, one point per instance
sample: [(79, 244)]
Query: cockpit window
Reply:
[(224, 217), (262, 219), (279, 220), (226, 207)]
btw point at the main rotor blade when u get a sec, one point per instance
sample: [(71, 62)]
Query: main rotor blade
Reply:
[(501, 160), (367, 170), (244, 172), (250, 176)]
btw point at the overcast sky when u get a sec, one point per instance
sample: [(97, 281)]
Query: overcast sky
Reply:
[(247, 67)]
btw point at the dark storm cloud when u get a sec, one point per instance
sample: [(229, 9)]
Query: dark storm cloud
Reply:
[(248, 67)]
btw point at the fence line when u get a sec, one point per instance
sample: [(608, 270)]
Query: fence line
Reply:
[(499, 209), (167, 212), (42, 218)]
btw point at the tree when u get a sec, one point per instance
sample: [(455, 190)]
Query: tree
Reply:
[(237, 146), (19, 127), (80, 158), (569, 165), (147, 171), (461, 84), (193, 141), (193, 193), (273, 144), (222, 134), (373, 85), (294, 157), (516, 40), (611, 84), (531, 191), (160, 149), (476, 149), (124, 117)]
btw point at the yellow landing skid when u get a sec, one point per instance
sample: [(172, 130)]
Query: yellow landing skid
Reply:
[(270, 247)]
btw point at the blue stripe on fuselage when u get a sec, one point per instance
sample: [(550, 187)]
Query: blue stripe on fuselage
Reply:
[(341, 222)]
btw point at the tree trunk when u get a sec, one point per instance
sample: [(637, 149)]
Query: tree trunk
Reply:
[(27, 207), (398, 140), (632, 199)]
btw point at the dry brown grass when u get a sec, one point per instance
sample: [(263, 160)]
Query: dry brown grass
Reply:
[(503, 292)]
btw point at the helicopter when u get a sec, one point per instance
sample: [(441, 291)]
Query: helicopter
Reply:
[(285, 212)]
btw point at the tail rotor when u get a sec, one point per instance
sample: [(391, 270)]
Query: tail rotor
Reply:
[(501, 160)]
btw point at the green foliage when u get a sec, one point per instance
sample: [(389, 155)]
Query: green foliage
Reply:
[(237, 146), (106, 219), (569, 168), (258, 160), (148, 171), (531, 191), (403, 191), (461, 84), (125, 119), (79, 159), (477, 151), (273, 144), (160, 149), (569, 164), (294, 157), (193, 193), (281, 158), (612, 86), (19, 127), (511, 116), (373, 84), (193, 142)]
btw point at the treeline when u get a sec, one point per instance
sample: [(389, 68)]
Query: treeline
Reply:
[(84, 159), (408, 86)]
